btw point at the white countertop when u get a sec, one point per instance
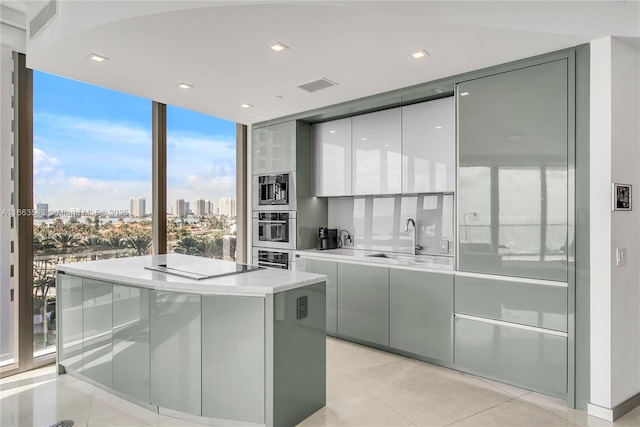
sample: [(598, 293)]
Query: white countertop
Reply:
[(132, 271), (439, 264)]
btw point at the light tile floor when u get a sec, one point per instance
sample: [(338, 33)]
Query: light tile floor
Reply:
[(365, 388)]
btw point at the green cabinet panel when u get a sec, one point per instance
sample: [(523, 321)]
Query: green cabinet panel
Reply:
[(512, 173), (97, 326), (421, 313), (176, 351), (517, 356), (299, 354), (131, 341), (329, 269), (69, 321), (273, 148), (233, 358), (363, 302), (533, 304)]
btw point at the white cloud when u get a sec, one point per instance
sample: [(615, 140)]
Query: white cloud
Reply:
[(43, 164)]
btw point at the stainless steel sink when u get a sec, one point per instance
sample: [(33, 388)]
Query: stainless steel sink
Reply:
[(381, 256)]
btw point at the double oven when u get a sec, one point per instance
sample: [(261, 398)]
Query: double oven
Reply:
[(274, 220)]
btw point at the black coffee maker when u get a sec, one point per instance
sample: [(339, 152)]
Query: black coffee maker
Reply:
[(328, 238)]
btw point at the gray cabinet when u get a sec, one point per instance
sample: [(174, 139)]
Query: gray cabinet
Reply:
[(363, 303), (97, 325), (329, 269), (175, 351), (421, 313), (69, 320), (523, 357), (512, 178), (332, 158), (233, 368), (273, 148), (377, 144), (428, 147), (131, 341)]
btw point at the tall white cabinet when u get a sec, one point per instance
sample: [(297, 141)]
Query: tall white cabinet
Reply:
[(332, 158)]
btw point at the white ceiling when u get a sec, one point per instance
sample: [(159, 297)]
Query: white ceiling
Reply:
[(222, 47)]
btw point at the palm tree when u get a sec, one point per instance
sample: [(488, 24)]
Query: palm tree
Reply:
[(189, 245), (93, 242), (65, 240), (140, 243)]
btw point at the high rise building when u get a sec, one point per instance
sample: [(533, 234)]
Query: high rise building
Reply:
[(137, 207), (210, 208), (200, 207), (179, 208), (187, 209), (227, 206), (42, 210)]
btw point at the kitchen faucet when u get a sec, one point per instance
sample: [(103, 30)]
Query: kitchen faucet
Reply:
[(415, 246)]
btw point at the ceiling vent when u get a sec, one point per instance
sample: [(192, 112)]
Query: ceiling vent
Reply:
[(43, 18), (314, 86)]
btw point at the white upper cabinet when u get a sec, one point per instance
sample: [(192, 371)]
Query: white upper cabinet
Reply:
[(273, 149), (377, 144), (332, 158), (428, 147)]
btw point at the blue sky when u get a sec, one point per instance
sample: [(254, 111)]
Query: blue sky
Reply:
[(92, 148)]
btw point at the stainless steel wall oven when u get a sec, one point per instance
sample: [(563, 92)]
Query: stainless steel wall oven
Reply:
[(274, 192), (274, 230)]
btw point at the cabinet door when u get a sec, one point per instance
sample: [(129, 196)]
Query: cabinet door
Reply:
[(176, 351), (421, 313), (69, 321), (363, 303), (97, 325), (377, 142), (233, 370), (332, 158), (512, 183), (428, 147), (329, 269), (273, 148), (131, 341)]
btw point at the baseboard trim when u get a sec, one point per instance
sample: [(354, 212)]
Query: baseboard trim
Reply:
[(615, 413)]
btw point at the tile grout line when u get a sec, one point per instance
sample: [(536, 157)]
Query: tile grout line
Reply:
[(378, 398), (480, 412)]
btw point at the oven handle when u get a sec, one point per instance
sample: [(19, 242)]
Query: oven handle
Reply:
[(273, 222), (275, 264)]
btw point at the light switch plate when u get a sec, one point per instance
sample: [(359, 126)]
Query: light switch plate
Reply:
[(621, 256)]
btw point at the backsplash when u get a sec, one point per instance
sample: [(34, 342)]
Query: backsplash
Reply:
[(378, 222)]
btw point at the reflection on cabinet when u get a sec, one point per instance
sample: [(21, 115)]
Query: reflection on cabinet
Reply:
[(273, 148), (512, 182), (332, 158), (377, 145), (176, 332), (131, 341), (522, 357), (428, 147), (97, 325), (329, 269), (70, 322), (233, 344), (363, 302), (421, 313)]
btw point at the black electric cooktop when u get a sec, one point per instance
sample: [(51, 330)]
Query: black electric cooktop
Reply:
[(203, 268)]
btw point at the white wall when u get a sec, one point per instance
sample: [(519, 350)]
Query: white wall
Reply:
[(615, 293), (625, 226)]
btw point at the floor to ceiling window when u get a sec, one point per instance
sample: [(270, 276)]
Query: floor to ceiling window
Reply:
[(92, 181), (201, 184)]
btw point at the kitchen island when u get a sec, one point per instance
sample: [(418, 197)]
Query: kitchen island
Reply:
[(241, 348)]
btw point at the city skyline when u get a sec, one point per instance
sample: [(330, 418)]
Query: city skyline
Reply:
[(92, 148)]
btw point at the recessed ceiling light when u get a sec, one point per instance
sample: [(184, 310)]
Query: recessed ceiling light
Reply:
[(438, 127), (332, 131), (246, 105), (97, 58), (419, 54), (279, 47), (386, 145), (364, 139), (464, 94), (185, 86)]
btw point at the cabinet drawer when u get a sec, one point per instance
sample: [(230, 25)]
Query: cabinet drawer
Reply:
[(526, 303), (521, 357)]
